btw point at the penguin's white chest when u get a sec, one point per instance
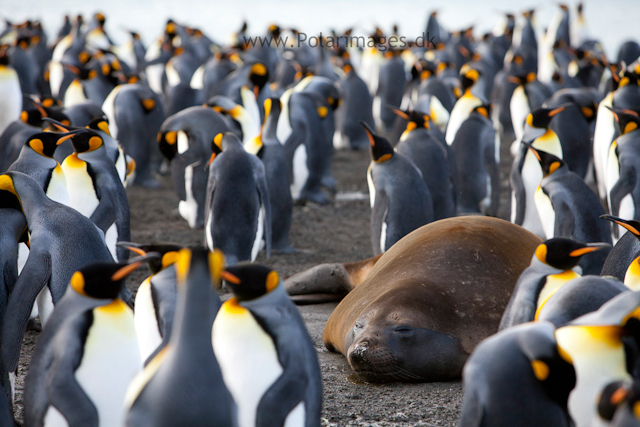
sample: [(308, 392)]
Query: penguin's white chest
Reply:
[(11, 96), (82, 193), (283, 129), (598, 357), (109, 108), (519, 106), (459, 114), (553, 284), (531, 176), (257, 241), (247, 357), (57, 188), (146, 322), (110, 361), (546, 213), (372, 187), (74, 94), (300, 171)]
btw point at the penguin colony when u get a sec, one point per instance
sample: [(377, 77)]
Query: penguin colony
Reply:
[(247, 131)]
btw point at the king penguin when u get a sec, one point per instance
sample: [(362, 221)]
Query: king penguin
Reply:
[(60, 237), (626, 249), (567, 207), (36, 160), (265, 353), (466, 103), (159, 396), (356, 105), (594, 342), (155, 302), (269, 149), (432, 158), (400, 199), (526, 173), (518, 377), (88, 354), (550, 269), (622, 180), (184, 139), (238, 211), (96, 191), (476, 150)]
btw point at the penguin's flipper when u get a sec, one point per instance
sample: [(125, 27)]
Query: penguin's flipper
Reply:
[(523, 304), (178, 166), (106, 212), (64, 392), (517, 186), (34, 277), (494, 175), (621, 188), (263, 191), (378, 216), (281, 398), (564, 219)]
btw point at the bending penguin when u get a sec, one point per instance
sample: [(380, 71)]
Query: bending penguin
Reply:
[(238, 211), (400, 199), (265, 353)]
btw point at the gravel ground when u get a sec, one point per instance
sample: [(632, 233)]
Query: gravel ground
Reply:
[(338, 232)]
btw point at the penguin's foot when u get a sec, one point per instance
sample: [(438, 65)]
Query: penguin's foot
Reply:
[(34, 325)]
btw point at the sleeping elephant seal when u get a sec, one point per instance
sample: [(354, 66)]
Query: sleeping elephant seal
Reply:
[(416, 312)]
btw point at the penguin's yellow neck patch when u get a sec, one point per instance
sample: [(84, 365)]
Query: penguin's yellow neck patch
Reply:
[(116, 307), (632, 276), (73, 161), (553, 285), (231, 306)]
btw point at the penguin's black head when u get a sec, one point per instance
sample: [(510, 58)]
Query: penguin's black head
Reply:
[(105, 280), (22, 42), (258, 76), (415, 119), (216, 147), (564, 253), (469, 76), (522, 79), (250, 281), (167, 142), (630, 224), (628, 77), (541, 117), (274, 30), (381, 149), (45, 143), (87, 141), (483, 110), (548, 161), (100, 19), (32, 112), (628, 120), (81, 72), (8, 196), (100, 123), (168, 253), (423, 69)]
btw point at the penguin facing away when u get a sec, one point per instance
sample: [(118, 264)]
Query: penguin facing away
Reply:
[(183, 384), (87, 355), (518, 377), (283, 385), (432, 159), (400, 200), (269, 149), (238, 211), (551, 268)]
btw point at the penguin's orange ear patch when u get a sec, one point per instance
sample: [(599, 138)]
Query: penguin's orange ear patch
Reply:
[(148, 104), (540, 369), (272, 281), (554, 166)]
